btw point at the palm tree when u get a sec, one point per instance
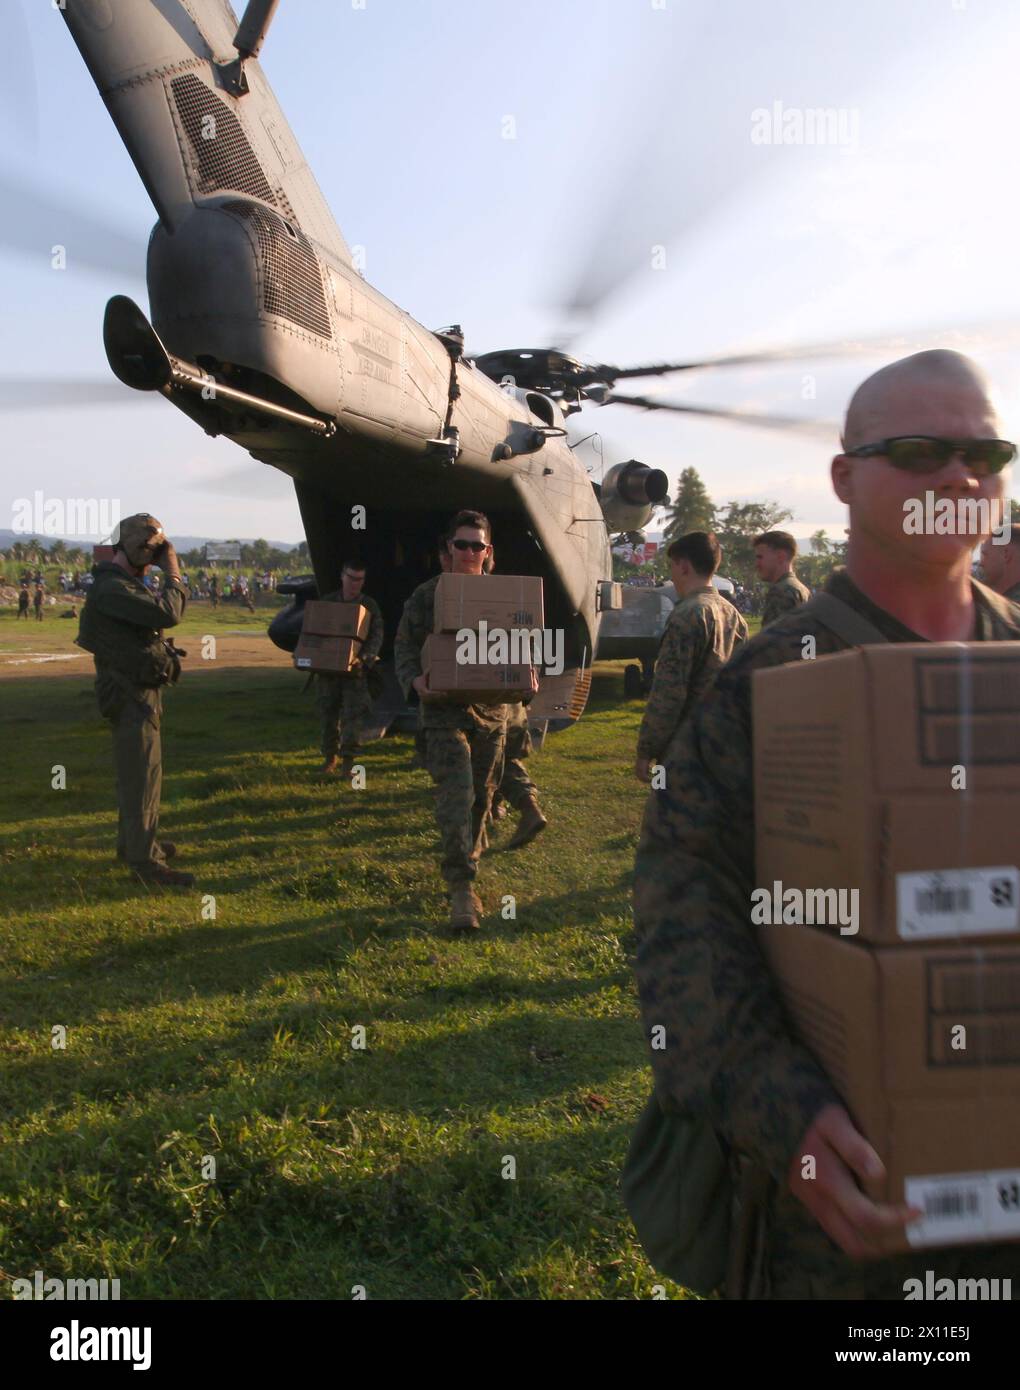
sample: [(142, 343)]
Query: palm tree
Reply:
[(692, 508)]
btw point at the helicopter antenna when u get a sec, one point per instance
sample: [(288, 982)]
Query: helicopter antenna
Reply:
[(250, 36), (597, 446)]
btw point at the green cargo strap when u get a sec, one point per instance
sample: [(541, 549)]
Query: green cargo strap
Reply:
[(843, 620)]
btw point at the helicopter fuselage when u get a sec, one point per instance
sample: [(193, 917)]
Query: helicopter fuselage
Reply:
[(279, 343)]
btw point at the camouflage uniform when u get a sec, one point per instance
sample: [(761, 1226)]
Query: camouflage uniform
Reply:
[(729, 1051), (516, 786), (344, 700), (700, 637), (464, 746), (121, 625), (783, 596)]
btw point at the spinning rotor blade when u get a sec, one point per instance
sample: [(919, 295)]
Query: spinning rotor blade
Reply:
[(33, 224), (822, 429), (966, 339), (32, 394)]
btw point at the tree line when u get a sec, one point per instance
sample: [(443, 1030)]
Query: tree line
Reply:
[(737, 524)]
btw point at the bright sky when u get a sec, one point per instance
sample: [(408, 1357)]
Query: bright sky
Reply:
[(633, 130)]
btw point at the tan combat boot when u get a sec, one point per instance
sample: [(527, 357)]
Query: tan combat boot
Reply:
[(465, 908), (532, 823), (330, 765)]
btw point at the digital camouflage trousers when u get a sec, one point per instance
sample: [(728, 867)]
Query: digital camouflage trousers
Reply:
[(466, 767), (344, 705)]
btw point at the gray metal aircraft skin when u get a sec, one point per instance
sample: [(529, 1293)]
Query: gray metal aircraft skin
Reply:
[(266, 332)]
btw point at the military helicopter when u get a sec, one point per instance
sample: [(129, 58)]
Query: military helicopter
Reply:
[(263, 330)]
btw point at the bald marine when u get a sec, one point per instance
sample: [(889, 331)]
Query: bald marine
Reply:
[(923, 471)]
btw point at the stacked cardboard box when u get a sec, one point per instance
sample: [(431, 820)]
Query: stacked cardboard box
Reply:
[(895, 770), (331, 636), (503, 600), (488, 605)]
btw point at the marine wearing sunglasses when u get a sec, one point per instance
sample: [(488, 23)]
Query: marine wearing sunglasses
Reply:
[(922, 453)]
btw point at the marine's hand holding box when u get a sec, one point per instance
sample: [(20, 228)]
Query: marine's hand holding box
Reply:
[(502, 606), (471, 682), (923, 1044), (331, 636), (895, 770)]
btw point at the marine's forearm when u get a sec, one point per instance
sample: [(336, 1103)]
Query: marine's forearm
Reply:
[(146, 610)]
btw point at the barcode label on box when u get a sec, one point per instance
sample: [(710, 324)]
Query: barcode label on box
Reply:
[(957, 902), (964, 1207)]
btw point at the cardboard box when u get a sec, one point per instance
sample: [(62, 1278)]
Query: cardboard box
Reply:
[(923, 1044), (503, 600), (470, 682), (330, 618), (334, 655), (858, 760)]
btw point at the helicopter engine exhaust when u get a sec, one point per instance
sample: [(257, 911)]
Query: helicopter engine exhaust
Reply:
[(630, 493)]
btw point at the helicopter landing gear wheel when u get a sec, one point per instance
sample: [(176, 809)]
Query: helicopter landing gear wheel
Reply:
[(633, 682)]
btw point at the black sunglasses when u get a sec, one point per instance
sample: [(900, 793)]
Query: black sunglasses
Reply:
[(476, 546), (922, 453)]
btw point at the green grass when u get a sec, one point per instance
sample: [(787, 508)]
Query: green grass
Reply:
[(231, 1038)]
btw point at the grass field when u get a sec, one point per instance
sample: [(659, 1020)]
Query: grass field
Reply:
[(190, 1038)]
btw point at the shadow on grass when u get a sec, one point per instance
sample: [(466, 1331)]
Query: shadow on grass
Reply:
[(211, 958), (363, 1211)]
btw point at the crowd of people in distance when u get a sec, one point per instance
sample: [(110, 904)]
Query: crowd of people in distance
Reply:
[(208, 585)]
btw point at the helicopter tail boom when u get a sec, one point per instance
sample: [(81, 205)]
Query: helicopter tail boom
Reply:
[(170, 78)]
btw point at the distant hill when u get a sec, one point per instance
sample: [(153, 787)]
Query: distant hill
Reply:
[(181, 543)]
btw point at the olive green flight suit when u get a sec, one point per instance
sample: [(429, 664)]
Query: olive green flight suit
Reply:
[(121, 624)]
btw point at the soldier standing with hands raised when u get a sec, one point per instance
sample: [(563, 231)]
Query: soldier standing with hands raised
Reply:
[(122, 626)]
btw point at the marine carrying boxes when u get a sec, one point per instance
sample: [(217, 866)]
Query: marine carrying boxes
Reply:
[(331, 636), (494, 606), (502, 600), (896, 770), (923, 1044), (477, 682)]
